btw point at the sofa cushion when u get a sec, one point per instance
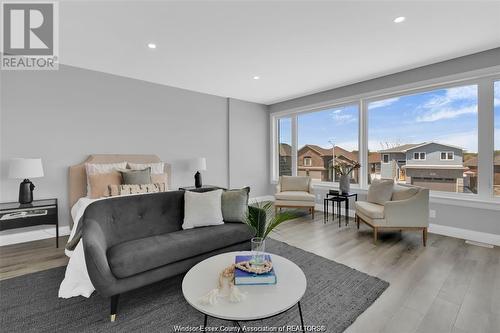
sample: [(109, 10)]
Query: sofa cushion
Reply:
[(369, 209), (235, 204), (202, 209), (139, 255), (380, 191), (294, 183), (403, 192), (295, 196)]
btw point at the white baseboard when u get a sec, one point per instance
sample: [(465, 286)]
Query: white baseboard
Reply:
[(475, 236), (260, 199), (15, 236)]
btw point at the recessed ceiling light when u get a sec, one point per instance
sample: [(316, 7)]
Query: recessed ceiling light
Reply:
[(152, 45), (256, 77), (399, 19)]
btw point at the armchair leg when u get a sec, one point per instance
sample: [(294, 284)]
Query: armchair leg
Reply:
[(114, 306), (357, 221), (312, 212), (375, 235), (424, 236)]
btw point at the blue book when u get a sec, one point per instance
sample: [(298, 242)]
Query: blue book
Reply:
[(246, 278)]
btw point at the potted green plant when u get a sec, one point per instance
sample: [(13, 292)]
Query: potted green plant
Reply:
[(261, 218)]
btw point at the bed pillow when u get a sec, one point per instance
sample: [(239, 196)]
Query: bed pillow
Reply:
[(136, 177), (99, 183), (116, 190), (98, 168), (380, 191), (202, 209), (235, 204), (156, 168), (161, 178)]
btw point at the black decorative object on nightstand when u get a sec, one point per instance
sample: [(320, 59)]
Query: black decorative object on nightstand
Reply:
[(204, 188), (39, 212)]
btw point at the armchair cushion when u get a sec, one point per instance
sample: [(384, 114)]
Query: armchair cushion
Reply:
[(380, 191), (295, 196), (294, 183), (403, 192), (371, 210)]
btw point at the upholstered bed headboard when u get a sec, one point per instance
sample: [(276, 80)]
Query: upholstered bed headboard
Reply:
[(78, 176)]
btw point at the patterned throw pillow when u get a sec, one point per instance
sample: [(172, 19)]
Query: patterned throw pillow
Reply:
[(116, 190)]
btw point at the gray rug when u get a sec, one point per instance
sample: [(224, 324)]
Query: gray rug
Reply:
[(336, 295)]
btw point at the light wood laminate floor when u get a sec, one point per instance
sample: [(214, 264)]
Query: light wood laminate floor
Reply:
[(448, 286)]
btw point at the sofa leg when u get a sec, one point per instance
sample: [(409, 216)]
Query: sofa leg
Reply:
[(114, 306), (424, 236), (375, 236)]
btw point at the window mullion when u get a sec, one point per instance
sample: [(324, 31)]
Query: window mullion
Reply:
[(294, 145), (485, 138)]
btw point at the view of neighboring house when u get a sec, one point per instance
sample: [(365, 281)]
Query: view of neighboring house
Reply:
[(317, 162), (432, 165), (471, 164)]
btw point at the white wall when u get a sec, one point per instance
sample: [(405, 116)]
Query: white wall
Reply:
[(63, 116), (249, 146)]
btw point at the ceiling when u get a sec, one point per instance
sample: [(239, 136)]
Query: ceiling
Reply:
[(295, 47)]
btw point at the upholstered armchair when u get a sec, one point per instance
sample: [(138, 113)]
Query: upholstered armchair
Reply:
[(394, 206), (295, 192)]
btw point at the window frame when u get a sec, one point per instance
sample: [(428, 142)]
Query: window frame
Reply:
[(309, 159), (484, 79), (446, 152), (419, 154), (382, 160)]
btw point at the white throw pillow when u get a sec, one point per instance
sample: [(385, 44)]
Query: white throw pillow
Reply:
[(156, 168), (202, 209)]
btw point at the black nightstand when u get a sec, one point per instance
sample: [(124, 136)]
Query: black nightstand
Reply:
[(204, 188), (40, 212)]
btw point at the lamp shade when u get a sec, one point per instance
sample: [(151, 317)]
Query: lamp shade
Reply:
[(198, 164), (24, 168)]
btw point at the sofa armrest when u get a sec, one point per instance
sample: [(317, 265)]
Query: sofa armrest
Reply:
[(412, 212), (95, 248), (278, 187)]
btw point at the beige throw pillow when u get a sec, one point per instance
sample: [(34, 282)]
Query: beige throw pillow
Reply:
[(403, 192), (160, 178), (99, 183), (99, 168), (380, 191)]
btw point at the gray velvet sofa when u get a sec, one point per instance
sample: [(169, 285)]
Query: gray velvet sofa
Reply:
[(133, 241)]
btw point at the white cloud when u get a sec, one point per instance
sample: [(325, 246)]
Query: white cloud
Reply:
[(382, 103), (465, 93), (446, 113), (342, 117)]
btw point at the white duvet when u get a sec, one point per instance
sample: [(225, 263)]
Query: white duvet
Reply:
[(76, 279)]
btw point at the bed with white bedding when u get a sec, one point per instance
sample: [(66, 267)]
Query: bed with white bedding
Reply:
[(76, 281)]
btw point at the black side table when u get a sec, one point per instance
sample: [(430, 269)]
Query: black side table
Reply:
[(204, 188), (40, 212), (339, 198)]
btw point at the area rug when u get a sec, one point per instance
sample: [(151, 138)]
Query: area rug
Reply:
[(336, 295)]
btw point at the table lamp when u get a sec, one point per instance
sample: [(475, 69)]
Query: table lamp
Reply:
[(198, 164), (25, 168)]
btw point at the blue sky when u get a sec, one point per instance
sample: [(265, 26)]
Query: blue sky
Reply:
[(448, 116)]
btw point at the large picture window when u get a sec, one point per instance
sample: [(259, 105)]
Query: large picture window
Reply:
[(285, 146), (496, 154), (326, 138), (431, 138)]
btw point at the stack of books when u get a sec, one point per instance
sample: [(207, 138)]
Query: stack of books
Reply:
[(246, 278)]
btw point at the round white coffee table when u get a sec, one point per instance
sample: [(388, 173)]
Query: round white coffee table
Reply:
[(262, 301)]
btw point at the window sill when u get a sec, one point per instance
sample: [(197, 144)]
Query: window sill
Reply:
[(464, 200)]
